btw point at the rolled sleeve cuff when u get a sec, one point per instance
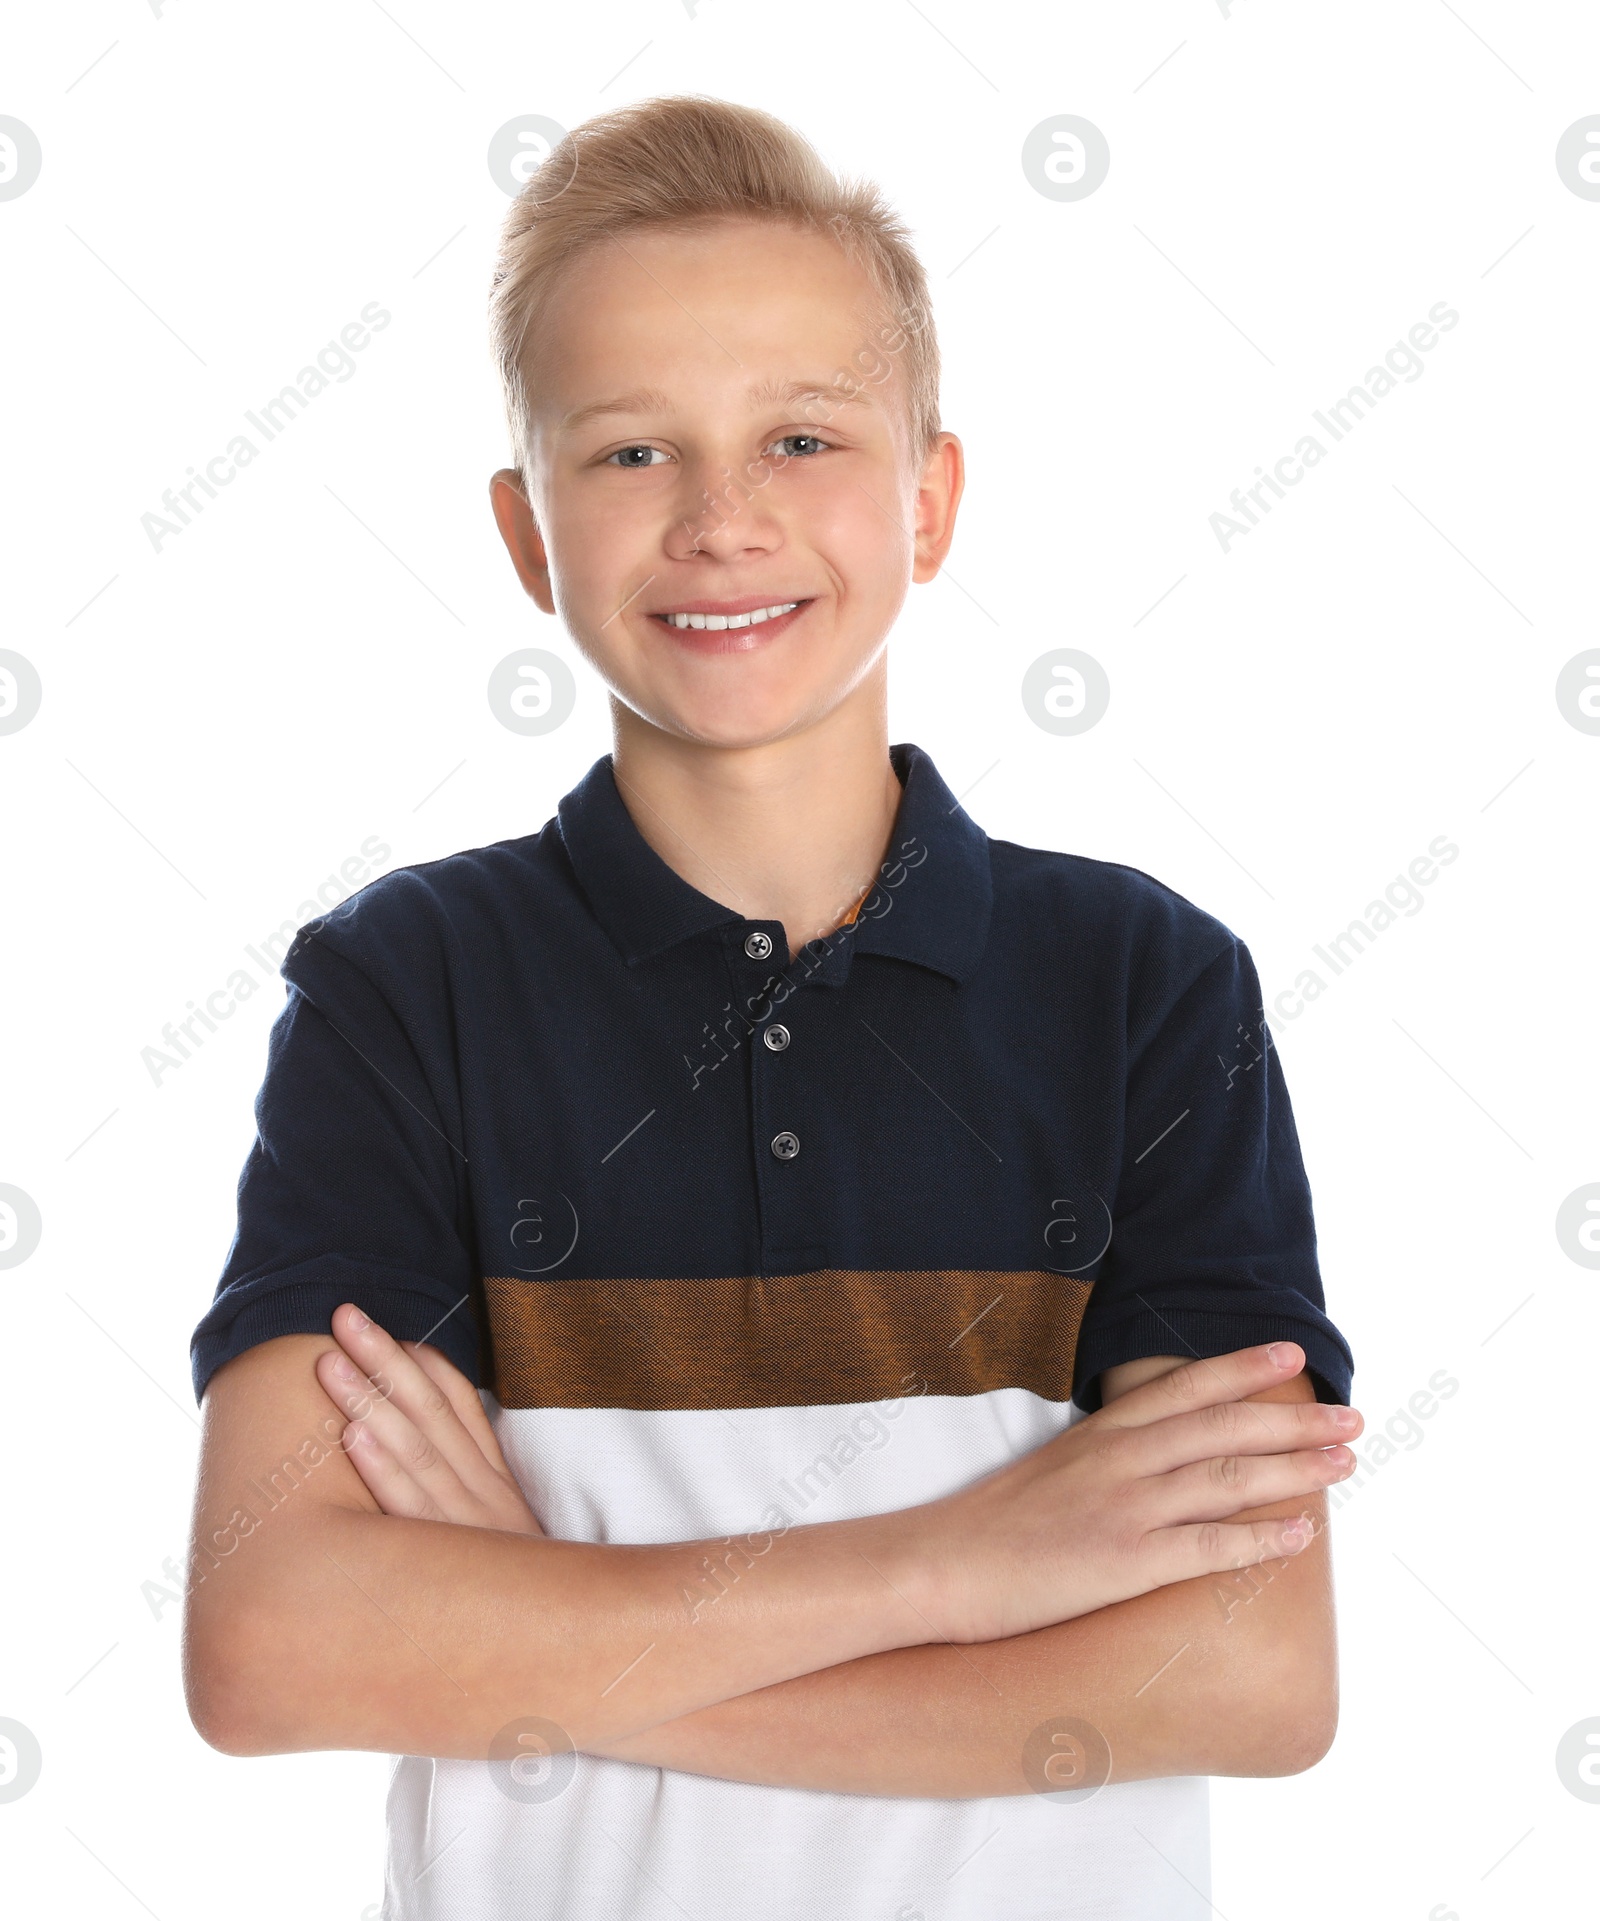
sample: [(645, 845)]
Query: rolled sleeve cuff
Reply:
[(1203, 1333), (301, 1300)]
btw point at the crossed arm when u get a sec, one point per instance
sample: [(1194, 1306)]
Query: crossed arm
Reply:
[(1228, 1674), (1232, 1674)]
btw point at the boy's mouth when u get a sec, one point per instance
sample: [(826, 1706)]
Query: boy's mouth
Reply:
[(729, 626)]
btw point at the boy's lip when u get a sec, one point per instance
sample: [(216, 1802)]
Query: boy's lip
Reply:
[(745, 604), (748, 639)]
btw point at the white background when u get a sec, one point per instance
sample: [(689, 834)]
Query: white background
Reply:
[(226, 720)]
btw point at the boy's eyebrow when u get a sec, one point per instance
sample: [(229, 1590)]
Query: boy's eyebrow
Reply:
[(644, 400)]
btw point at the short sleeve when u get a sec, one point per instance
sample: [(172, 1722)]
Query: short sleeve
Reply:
[(1212, 1242), (354, 1189)]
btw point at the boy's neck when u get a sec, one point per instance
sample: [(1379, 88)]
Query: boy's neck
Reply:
[(794, 830)]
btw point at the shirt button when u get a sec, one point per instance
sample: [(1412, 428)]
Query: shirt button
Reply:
[(758, 945), (776, 1037), (786, 1146)]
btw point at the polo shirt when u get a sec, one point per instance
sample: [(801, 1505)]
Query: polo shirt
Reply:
[(724, 1235)]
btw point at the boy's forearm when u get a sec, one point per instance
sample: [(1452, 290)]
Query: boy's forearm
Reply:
[(1231, 1674), (345, 1629)]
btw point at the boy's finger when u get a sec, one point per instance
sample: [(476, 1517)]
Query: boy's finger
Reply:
[(464, 1399), (1203, 1383), (387, 1482), (455, 1386), (1197, 1493), (1235, 1430), (1212, 1547), (409, 1411), (372, 1412)]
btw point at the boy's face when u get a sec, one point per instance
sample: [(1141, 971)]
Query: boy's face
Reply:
[(699, 488)]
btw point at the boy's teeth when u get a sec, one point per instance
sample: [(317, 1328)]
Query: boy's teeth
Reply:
[(717, 621)]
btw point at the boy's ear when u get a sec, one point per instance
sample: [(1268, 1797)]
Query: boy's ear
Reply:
[(519, 530), (938, 496)]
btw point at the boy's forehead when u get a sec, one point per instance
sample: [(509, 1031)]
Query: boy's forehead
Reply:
[(758, 316)]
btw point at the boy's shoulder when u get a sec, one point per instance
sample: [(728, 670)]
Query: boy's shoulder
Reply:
[(428, 910), (1119, 914)]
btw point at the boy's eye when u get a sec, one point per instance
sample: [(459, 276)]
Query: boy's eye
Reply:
[(798, 446)]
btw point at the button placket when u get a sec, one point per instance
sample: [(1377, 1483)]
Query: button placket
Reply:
[(772, 1106)]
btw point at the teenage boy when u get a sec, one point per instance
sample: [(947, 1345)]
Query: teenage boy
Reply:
[(885, 1259)]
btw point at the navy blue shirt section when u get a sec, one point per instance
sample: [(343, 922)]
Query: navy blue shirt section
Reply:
[(546, 1059)]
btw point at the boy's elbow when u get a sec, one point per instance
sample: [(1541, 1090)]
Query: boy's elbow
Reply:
[(224, 1731), (226, 1690), (216, 1704), (248, 1685), (273, 1649), (279, 1656), (1276, 1714), (1306, 1721)]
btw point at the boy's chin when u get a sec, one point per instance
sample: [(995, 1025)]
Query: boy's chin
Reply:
[(733, 725)]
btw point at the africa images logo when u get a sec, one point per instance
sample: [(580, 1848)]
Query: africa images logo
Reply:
[(334, 363), (1401, 363)]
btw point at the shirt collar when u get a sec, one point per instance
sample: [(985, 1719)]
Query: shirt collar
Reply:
[(931, 903)]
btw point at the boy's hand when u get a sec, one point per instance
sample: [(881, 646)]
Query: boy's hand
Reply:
[(1136, 1496), (418, 1435)]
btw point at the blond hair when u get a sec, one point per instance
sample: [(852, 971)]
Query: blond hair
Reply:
[(675, 163)]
